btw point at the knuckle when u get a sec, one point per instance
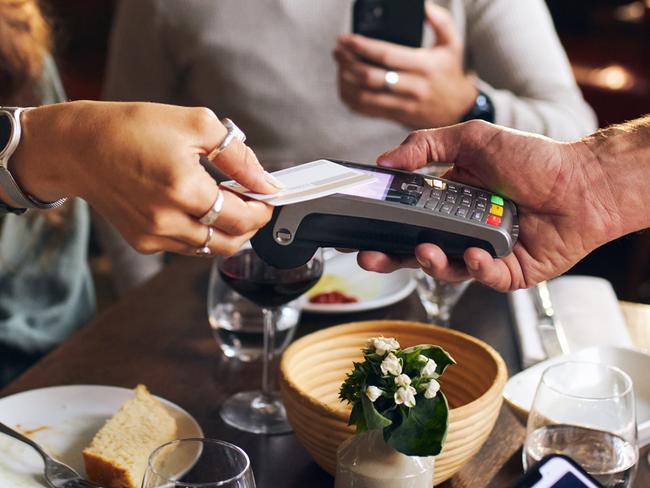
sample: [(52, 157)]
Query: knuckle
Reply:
[(146, 246), (203, 119)]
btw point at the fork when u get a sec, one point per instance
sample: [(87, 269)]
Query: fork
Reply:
[(57, 474)]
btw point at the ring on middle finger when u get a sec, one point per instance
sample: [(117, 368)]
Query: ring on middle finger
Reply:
[(391, 78), (211, 216)]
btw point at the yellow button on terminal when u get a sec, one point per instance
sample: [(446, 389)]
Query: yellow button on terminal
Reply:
[(496, 210)]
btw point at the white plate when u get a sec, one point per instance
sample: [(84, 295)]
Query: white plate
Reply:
[(63, 420), (373, 290), (520, 389)]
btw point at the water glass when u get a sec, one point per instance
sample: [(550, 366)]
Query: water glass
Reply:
[(587, 412), (238, 324), (198, 463), (438, 297)]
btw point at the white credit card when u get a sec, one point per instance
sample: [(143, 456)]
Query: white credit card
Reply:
[(307, 182)]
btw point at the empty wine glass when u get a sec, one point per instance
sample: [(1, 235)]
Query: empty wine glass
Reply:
[(585, 411), (438, 297), (198, 463), (262, 412)]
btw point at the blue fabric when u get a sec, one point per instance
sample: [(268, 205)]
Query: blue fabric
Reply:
[(46, 289)]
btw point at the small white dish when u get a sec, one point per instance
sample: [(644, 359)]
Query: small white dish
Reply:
[(372, 290), (520, 389), (63, 420)]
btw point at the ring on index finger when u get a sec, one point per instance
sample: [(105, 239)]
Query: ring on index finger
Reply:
[(211, 216), (233, 133), (391, 78)]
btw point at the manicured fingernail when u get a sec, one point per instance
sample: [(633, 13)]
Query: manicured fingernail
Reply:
[(273, 180), (473, 265)]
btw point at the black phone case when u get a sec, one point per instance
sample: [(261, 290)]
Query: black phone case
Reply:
[(397, 21)]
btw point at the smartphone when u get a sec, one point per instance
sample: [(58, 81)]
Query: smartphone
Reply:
[(557, 471), (397, 21)]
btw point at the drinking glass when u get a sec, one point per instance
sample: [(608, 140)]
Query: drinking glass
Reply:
[(261, 411), (238, 324), (587, 412), (438, 297), (198, 463)]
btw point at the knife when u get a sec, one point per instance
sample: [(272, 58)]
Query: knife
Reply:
[(550, 329)]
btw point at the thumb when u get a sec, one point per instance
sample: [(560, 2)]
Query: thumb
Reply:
[(423, 147), (442, 25)]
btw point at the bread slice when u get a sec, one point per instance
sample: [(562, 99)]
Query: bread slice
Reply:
[(117, 456)]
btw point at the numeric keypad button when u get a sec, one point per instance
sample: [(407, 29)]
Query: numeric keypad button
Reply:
[(446, 208)]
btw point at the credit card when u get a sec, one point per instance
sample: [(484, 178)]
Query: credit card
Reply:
[(307, 181)]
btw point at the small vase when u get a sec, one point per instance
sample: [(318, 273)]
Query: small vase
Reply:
[(366, 461)]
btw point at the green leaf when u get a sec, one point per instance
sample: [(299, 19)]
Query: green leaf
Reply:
[(437, 353), (374, 420), (357, 418), (423, 431)]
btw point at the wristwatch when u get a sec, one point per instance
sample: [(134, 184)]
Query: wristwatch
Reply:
[(482, 109), (10, 132)]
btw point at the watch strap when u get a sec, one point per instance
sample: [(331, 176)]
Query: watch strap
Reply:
[(482, 109), (7, 181)]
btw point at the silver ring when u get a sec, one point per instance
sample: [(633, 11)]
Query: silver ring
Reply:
[(233, 132), (205, 251), (212, 215), (391, 78)]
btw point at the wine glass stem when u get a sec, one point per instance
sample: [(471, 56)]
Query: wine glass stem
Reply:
[(268, 361)]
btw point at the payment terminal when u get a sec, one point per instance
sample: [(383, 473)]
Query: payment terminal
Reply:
[(393, 214)]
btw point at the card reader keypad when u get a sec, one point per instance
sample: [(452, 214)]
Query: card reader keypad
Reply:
[(461, 202)]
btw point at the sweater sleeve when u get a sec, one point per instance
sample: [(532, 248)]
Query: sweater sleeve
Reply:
[(140, 64), (516, 53)]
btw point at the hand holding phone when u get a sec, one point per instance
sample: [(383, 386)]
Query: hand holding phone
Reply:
[(383, 71)]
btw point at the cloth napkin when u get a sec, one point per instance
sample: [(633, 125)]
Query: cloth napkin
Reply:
[(585, 306)]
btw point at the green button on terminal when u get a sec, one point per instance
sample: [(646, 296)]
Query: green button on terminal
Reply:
[(496, 199)]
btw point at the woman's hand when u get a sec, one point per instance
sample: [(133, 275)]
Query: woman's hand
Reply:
[(433, 89), (138, 165), (566, 202)]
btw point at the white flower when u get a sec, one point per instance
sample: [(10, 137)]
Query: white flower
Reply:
[(391, 364), (423, 359), (403, 380), (372, 392), (432, 389), (405, 396), (429, 369), (382, 345)]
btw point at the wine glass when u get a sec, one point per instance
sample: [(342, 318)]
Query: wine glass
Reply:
[(587, 412), (262, 412), (438, 297), (198, 463), (238, 324)]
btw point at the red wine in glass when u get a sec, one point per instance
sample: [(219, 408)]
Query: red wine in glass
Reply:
[(265, 286), (262, 411)]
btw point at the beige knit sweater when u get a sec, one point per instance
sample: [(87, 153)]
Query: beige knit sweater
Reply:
[(268, 65)]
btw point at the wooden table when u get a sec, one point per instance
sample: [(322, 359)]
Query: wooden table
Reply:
[(159, 335)]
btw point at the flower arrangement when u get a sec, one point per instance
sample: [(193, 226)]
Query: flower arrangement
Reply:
[(397, 390)]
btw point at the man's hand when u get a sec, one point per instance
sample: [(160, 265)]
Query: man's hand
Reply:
[(138, 165), (566, 206), (433, 89)]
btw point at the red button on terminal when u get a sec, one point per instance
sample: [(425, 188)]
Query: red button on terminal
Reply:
[(493, 220)]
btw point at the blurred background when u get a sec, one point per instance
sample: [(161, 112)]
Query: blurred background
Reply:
[(608, 42)]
